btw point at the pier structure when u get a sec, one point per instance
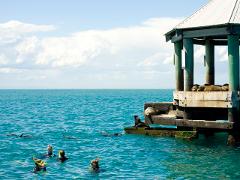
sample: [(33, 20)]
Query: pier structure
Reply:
[(207, 108)]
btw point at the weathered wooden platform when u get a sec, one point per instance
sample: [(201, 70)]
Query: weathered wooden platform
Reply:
[(206, 99), (192, 113), (168, 132)]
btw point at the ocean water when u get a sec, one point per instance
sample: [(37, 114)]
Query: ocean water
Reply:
[(74, 119)]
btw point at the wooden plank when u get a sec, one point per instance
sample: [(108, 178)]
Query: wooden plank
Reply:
[(158, 119)]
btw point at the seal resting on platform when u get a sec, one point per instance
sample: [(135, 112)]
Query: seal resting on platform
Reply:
[(150, 111), (195, 87), (213, 88), (138, 122), (208, 87), (225, 87), (201, 88)]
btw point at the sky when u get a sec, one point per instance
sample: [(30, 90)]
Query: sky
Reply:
[(94, 44)]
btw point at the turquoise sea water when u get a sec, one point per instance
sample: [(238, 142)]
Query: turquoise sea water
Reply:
[(74, 119)]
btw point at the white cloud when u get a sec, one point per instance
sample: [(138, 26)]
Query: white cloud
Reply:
[(157, 59), (9, 70), (12, 31), (20, 27), (131, 56), (74, 50), (3, 59), (222, 55), (27, 49), (122, 46), (84, 47), (199, 52)]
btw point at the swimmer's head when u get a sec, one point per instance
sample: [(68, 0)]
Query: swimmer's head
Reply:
[(39, 162), (50, 149), (61, 153), (94, 164)]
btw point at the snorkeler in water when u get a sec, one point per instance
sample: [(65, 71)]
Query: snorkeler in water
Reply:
[(61, 156), (50, 151), (40, 165), (94, 165)]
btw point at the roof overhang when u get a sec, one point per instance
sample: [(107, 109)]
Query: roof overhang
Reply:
[(201, 33)]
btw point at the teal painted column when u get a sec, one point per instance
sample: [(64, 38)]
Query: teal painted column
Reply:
[(233, 62), (189, 66), (209, 61), (178, 65), (233, 68)]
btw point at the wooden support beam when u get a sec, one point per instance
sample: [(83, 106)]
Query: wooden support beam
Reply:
[(169, 132), (158, 119), (215, 42), (220, 42), (205, 104), (207, 99), (199, 41), (227, 96), (218, 31)]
